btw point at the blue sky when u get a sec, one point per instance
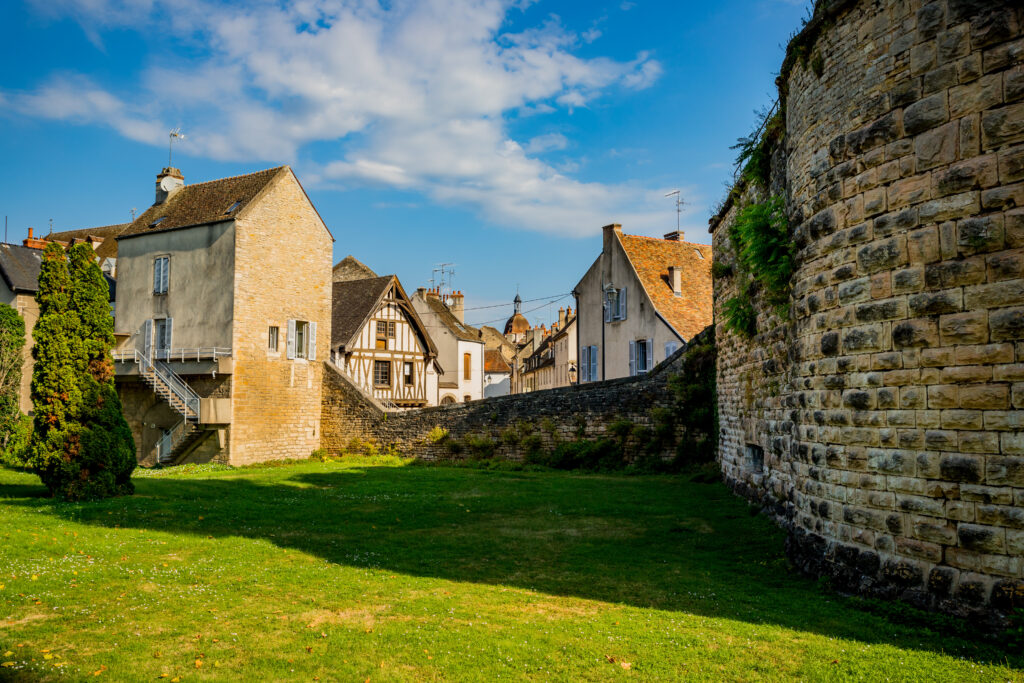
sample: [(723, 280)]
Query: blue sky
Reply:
[(497, 135)]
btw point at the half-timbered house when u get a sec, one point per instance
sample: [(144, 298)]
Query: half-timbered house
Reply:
[(381, 344)]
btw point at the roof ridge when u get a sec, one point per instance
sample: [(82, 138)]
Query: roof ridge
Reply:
[(662, 239), (234, 177)]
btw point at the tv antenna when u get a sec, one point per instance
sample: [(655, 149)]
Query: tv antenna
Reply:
[(445, 281), (132, 212), (175, 134), (679, 205)]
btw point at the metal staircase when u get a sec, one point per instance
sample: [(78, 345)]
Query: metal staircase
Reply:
[(179, 439)]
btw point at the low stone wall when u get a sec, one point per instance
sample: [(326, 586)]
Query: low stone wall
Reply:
[(555, 415)]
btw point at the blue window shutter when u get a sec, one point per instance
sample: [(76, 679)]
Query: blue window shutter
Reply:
[(147, 337), (312, 341), (650, 354), (607, 307), (584, 364), (165, 275), (291, 340), (156, 276), (622, 304), (167, 335), (632, 358), (593, 364)]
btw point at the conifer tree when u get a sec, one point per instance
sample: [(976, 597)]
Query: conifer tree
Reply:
[(82, 447), (56, 396)]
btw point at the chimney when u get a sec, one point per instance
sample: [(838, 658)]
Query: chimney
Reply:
[(33, 242), (458, 307), (432, 293), (610, 231), (675, 279), (168, 181), (676, 236), (561, 317)]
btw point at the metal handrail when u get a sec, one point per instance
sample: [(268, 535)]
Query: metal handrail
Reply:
[(165, 446), (180, 355), (182, 390)]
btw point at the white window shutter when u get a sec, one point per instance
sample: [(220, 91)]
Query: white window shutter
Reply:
[(312, 341), (632, 358), (164, 275), (167, 342), (622, 304), (291, 339), (147, 337), (650, 354)]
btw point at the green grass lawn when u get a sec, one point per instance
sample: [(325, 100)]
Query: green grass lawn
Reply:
[(371, 569)]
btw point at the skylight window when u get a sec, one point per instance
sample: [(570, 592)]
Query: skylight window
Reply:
[(700, 255), (158, 221), (233, 207)]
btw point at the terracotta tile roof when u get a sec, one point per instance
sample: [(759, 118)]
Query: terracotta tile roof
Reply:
[(494, 362), (19, 267), (355, 301), (108, 233), (687, 314), (203, 203), (350, 268)]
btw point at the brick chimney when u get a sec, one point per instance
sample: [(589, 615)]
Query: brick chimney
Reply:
[(168, 181), (676, 236), (433, 293), (458, 306), (675, 279), (561, 317), (33, 242)]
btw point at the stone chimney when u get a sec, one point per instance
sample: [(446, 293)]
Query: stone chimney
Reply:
[(676, 236), (561, 317), (168, 181), (458, 306), (610, 232), (675, 279)]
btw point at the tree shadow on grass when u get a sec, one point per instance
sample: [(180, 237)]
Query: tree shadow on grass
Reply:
[(650, 542)]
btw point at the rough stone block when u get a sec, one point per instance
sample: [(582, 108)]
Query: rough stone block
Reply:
[(1011, 164), (961, 419), (979, 442), (913, 398), (990, 495), (960, 467), (927, 113), (1009, 373), (1012, 443), (1000, 515), (953, 206), (970, 136), (1014, 228), (1004, 419), (1008, 265), (980, 233), (854, 290), (976, 96), (915, 333), (882, 255), (881, 285), (981, 538), (943, 396), (1002, 198), (863, 338), (939, 79), (968, 271), (964, 328), (1013, 84), (992, 26), (1008, 323), (984, 354), (971, 174), (966, 374), (1002, 56), (923, 245), (938, 357), (937, 146), (1002, 126), (881, 131), (908, 280), (935, 303), (901, 193), (889, 309)]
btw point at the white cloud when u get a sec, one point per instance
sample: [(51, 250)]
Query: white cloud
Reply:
[(411, 95)]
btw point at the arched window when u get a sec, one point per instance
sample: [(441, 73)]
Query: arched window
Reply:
[(467, 366), (448, 400)]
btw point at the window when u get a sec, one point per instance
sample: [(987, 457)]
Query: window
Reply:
[(162, 337), (272, 338), (381, 344), (382, 373), (382, 328), (467, 398), (754, 457), (232, 207), (615, 305), (670, 348), (301, 339), (158, 221), (641, 356), (467, 366), (391, 329), (161, 266), (407, 372), (588, 364)]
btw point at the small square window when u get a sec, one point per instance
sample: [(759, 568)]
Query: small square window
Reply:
[(272, 338), (301, 338), (382, 344), (382, 328), (161, 274), (391, 330), (407, 371)]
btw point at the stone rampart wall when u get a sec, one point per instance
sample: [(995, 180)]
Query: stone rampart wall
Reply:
[(882, 421)]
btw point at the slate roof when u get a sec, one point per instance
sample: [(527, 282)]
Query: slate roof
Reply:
[(203, 203), (109, 234), (448, 319), (494, 362), (650, 257), (353, 302), (19, 267), (350, 268)]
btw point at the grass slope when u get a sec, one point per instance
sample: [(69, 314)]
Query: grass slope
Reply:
[(372, 570)]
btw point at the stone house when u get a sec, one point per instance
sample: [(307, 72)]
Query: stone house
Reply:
[(497, 374), (379, 341), (223, 318), (460, 349), (641, 299), (565, 343)]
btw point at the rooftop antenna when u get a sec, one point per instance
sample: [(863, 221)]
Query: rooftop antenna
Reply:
[(679, 205), (447, 273), (51, 226), (132, 212), (175, 134), (5, 229)]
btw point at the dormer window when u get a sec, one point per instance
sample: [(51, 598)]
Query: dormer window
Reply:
[(158, 221), (233, 207)]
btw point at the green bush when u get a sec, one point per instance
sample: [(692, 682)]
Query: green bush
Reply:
[(764, 247), (16, 452), (480, 446), (739, 316), (12, 342), (696, 399), (437, 434), (320, 455)]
